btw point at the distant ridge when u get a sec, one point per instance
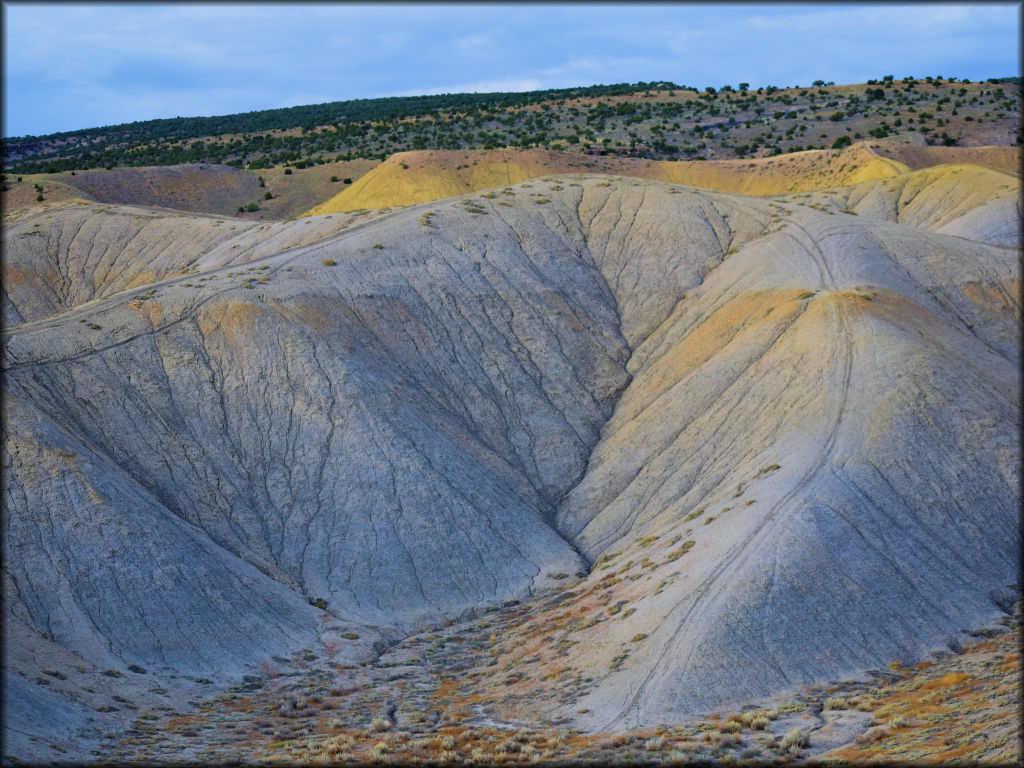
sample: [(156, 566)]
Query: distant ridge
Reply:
[(656, 120)]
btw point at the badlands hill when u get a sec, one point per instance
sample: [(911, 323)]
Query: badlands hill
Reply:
[(420, 176), (752, 443), (417, 177), (220, 190), (916, 157)]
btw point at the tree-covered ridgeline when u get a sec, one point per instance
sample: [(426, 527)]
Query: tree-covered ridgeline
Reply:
[(658, 120)]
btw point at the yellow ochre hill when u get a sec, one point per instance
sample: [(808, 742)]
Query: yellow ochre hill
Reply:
[(408, 178)]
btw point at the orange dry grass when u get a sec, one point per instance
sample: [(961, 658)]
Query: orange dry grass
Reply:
[(967, 714)]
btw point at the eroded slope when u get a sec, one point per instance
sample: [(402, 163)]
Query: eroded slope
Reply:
[(61, 256), (962, 199), (832, 403), (743, 410)]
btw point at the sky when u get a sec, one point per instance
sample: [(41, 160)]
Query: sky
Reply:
[(74, 65)]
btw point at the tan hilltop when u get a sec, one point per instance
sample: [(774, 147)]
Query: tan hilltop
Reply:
[(408, 178)]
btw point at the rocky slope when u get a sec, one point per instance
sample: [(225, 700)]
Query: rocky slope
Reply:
[(742, 411)]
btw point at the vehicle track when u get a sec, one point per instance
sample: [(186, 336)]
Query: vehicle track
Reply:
[(689, 614)]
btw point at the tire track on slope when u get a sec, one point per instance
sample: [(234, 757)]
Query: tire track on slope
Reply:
[(629, 521), (738, 555), (894, 165)]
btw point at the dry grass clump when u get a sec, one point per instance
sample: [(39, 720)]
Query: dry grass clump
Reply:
[(836, 703), (618, 740), (654, 743), (294, 707), (446, 742), (380, 752), (686, 547), (898, 721), (338, 745), (757, 719), (793, 741), (380, 724), (507, 747), (726, 740), (872, 734)]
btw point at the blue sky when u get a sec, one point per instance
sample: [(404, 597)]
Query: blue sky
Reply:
[(70, 66)]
